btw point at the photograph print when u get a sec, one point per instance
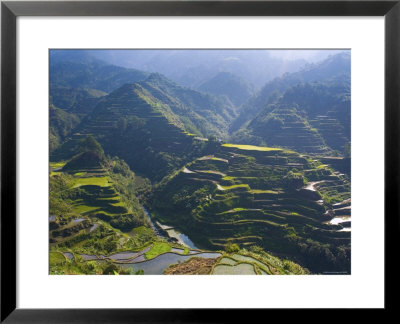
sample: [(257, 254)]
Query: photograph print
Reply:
[(199, 162)]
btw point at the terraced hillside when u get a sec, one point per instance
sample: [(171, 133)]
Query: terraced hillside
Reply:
[(143, 181), (255, 262), (311, 118), (147, 124), (285, 127), (331, 130), (237, 261), (201, 113), (133, 125), (333, 70), (327, 108), (273, 198), (94, 210), (89, 197)]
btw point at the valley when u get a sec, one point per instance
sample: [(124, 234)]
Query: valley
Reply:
[(148, 177)]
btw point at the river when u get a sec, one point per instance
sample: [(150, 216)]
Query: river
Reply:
[(156, 266), (172, 232)]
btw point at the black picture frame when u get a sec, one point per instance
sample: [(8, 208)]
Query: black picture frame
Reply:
[(10, 10)]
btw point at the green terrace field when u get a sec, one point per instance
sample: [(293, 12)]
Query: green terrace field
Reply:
[(276, 199), (96, 220), (94, 210), (91, 181), (252, 147)]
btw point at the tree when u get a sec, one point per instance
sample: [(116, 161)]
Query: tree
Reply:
[(89, 144), (232, 247)]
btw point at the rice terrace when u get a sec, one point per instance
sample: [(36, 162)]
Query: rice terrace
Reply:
[(199, 162)]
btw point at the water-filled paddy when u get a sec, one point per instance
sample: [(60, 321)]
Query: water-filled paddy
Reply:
[(93, 227), (227, 261), (68, 255), (249, 259), (77, 220), (240, 269), (157, 265), (124, 255), (88, 257)]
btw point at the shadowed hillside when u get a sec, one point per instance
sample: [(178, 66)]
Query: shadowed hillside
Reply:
[(310, 118), (334, 70)]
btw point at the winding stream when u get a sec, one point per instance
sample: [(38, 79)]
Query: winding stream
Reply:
[(172, 232), (156, 266), (154, 228)]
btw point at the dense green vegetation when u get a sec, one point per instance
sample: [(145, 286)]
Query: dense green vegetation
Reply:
[(254, 262), (93, 206), (157, 249), (75, 100), (61, 124), (312, 118), (334, 70), (199, 113), (259, 197), (262, 179), (152, 118)]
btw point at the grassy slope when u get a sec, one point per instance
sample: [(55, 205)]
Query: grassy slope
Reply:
[(92, 215)]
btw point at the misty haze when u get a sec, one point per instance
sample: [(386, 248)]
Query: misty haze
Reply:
[(200, 162)]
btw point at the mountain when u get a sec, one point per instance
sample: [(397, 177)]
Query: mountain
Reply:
[(328, 110), (79, 70), (94, 209), (200, 113), (138, 127), (62, 124), (227, 84), (75, 100), (335, 69), (312, 118), (283, 126), (192, 67), (78, 80), (273, 198)]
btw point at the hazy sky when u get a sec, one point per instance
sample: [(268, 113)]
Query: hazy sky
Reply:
[(191, 67), (308, 55)]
